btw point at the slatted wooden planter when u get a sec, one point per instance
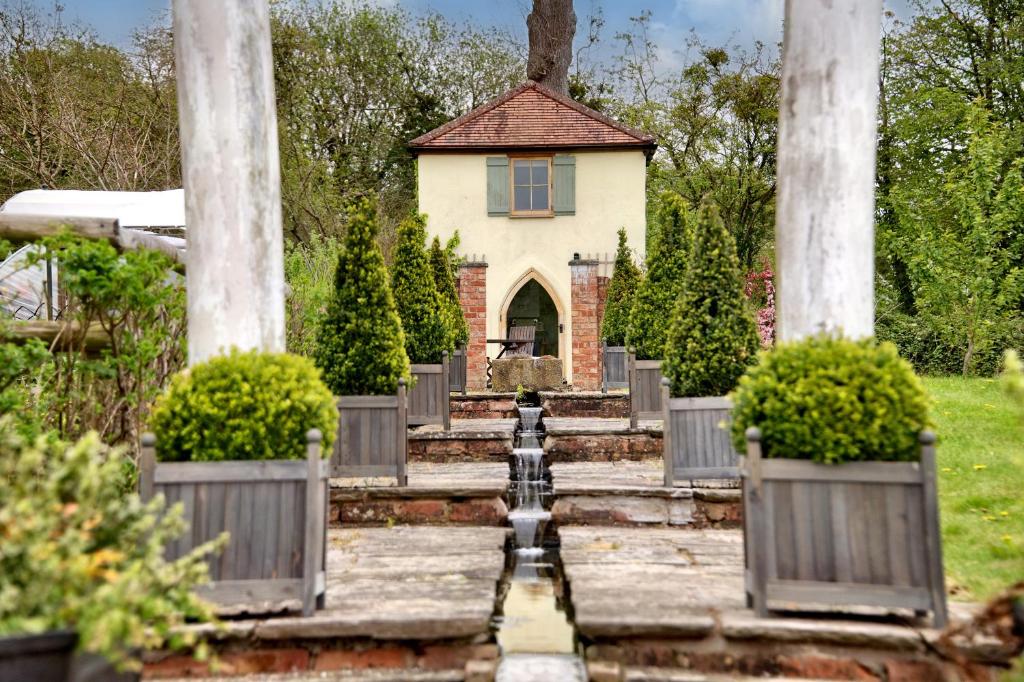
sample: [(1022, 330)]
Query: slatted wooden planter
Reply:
[(614, 367), (430, 394), (696, 442), (275, 512), (458, 371), (644, 389), (856, 534), (372, 436)]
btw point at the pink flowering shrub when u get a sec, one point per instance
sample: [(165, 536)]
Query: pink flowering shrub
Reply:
[(760, 290)]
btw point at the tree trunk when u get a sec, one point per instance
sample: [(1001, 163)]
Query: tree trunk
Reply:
[(551, 25), (231, 173), (826, 168)]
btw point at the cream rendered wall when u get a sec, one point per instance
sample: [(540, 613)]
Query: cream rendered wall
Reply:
[(610, 193)]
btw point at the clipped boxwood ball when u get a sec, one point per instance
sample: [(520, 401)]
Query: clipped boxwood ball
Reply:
[(243, 406), (832, 400)]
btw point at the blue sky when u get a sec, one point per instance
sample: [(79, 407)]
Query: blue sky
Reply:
[(741, 22)]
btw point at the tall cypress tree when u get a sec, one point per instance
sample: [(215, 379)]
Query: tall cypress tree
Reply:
[(713, 336), (440, 264), (621, 292), (656, 296), (419, 305), (361, 345)]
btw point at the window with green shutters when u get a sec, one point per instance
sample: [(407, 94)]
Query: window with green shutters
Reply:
[(537, 186)]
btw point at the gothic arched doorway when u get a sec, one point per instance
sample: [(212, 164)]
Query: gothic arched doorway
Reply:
[(532, 305)]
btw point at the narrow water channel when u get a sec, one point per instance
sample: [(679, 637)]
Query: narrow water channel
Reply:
[(536, 638)]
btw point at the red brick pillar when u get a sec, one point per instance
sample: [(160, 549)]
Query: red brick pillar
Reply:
[(602, 299), (473, 299), (586, 331)]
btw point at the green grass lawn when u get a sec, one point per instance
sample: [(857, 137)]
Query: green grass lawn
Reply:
[(981, 485)]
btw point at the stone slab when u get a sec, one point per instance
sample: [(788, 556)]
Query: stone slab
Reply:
[(575, 426), (504, 427), (584, 404), (431, 479)]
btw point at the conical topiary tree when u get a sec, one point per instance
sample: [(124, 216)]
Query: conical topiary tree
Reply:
[(713, 336), (650, 316), (361, 346), (440, 264), (419, 305), (621, 292)]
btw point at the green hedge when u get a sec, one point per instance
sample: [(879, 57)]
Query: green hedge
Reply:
[(418, 303), (651, 314), (361, 345), (713, 337), (444, 280), (832, 401), (621, 292), (244, 406)]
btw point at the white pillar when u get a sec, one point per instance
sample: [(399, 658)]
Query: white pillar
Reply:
[(824, 225), (228, 123)]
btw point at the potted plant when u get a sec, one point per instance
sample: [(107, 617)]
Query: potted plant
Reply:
[(711, 341), (653, 303), (361, 352), (840, 500), (238, 444), (82, 562), (429, 339), (614, 325)]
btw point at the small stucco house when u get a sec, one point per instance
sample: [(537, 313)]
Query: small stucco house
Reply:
[(532, 181)]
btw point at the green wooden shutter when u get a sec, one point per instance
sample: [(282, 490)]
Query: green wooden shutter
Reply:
[(497, 185), (564, 185)]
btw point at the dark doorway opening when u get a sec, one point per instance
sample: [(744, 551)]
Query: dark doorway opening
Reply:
[(533, 306)]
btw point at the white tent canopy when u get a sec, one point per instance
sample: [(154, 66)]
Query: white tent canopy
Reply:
[(132, 209)]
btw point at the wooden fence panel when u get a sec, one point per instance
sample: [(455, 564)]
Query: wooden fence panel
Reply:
[(275, 513), (458, 370), (696, 440), (372, 438), (856, 534), (644, 389), (614, 367), (429, 397)]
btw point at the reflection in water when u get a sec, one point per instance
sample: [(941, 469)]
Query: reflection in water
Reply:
[(533, 623)]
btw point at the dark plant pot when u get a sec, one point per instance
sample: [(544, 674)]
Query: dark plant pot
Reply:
[(39, 658), (95, 668)]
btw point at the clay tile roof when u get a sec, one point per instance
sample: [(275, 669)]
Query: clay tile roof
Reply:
[(531, 116)]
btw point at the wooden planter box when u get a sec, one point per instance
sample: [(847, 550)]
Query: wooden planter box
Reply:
[(614, 367), (430, 395), (856, 534), (644, 389), (458, 371), (275, 512), (372, 436), (695, 443)]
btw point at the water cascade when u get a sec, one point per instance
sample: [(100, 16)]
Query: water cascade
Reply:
[(537, 641)]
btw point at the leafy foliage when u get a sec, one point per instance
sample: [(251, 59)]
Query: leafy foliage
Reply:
[(651, 314), (832, 400), (621, 292), (444, 280), (244, 406), (419, 305), (309, 271), (361, 345), (967, 252), (136, 304), (713, 338), (760, 290), (80, 553), (18, 365)]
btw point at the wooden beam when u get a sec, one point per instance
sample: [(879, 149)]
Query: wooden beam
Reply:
[(824, 226), (25, 227), (231, 174), (59, 336)]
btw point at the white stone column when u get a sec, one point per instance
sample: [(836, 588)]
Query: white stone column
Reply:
[(824, 225), (228, 123)]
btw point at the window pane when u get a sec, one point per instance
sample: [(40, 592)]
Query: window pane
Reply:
[(540, 198), (522, 199), (540, 172), (522, 172)]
